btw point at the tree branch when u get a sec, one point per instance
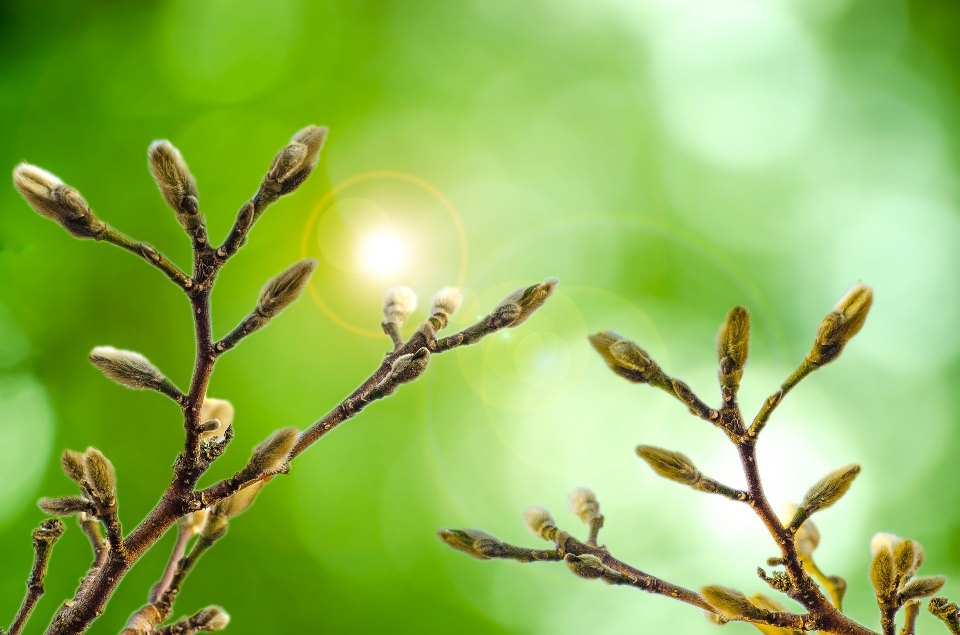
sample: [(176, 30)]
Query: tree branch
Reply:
[(148, 253)]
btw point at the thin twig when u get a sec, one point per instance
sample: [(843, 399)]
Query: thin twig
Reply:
[(43, 540)]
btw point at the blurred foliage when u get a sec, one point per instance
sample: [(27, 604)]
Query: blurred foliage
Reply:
[(665, 159)]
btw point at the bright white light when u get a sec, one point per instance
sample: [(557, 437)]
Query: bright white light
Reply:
[(382, 254)]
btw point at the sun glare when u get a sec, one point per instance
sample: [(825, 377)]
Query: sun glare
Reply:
[(382, 254)]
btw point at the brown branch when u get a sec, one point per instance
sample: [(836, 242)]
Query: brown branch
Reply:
[(771, 403), (43, 540), (148, 253)]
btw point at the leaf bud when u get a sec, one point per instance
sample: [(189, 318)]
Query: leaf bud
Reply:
[(128, 368), (50, 197), (286, 287), (100, 478), (408, 367), (65, 505), (587, 566), (829, 489), (841, 324), (539, 522), (212, 618), (398, 303), (177, 185), (446, 301), (295, 161), (922, 587), (733, 344), (731, 603), (72, 464), (583, 502), (882, 574), (271, 453), (624, 357), (671, 465), (517, 307), (473, 542)]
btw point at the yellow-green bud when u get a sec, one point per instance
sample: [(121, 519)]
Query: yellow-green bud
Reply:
[(671, 465), (882, 574), (829, 489), (731, 603), (100, 479), (65, 505), (922, 587), (583, 502), (286, 287), (177, 185), (473, 542), (841, 324), (72, 464)]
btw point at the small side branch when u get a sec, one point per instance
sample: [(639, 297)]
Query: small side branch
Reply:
[(771, 403), (43, 540), (148, 253), (947, 612)]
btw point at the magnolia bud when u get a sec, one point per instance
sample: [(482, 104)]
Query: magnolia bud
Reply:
[(271, 454), (176, 184), (212, 618), (446, 301), (733, 343), (286, 287), (829, 489), (223, 510), (517, 307), (731, 603), (671, 465), (882, 574), (50, 197), (587, 566), (473, 542), (295, 161), (906, 558), (624, 357), (583, 503), (922, 587), (883, 540), (65, 505), (398, 303), (100, 478), (72, 464), (131, 369), (219, 410), (841, 324), (408, 367), (538, 522)]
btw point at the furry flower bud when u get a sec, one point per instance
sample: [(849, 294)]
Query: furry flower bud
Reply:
[(841, 324), (882, 573), (219, 410), (473, 542), (177, 185), (295, 161), (624, 357), (212, 618), (517, 307), (671, 465), (731, 603), (223, 510), (539, 522), (100, 478), (50, 197), (286, 287), (65, 505), (398, 303), (270, 454), (131, 369), (829, 489), (72, 464), (587, 566), (922, 587), (446, 301), (733, 344), (407, 368), (583, 502)]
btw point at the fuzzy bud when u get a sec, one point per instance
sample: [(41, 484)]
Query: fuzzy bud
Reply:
[(295, 161), (286, 287), (829, 489), (100, 478), (223, 510), (212, 618), (587, 566), (624, 357), (671, 465), (731, 603), (50, 197), (271, 454), (882, 540), (583, 502), (517, 307), (907, 557), (446, 301), (398, 303), (922, 587), (72, 464), (473, 542), (407, 368), (65, 505), (177, 185), (131, 369), (192, 523), (841, 324), (882, 574), (218, 410), (733, 344), (539, 522)]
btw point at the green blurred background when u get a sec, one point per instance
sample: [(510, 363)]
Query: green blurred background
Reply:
[(665, 159)]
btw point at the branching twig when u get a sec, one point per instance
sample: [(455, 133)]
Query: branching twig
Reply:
[(43, 540)]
